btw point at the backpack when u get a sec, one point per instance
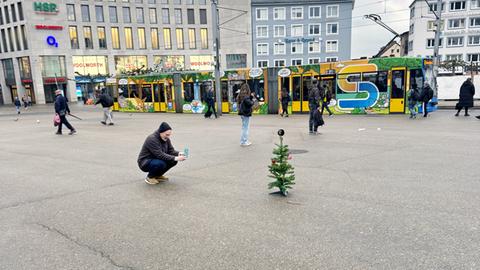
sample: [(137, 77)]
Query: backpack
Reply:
[(108, 101)]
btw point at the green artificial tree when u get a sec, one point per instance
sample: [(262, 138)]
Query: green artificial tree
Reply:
[(280, 169)]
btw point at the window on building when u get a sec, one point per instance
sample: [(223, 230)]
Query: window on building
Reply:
[(457, 5), (126, 15), (20, 11), (140, 15), (262, 48), (152, 13), (279, 48), (297, 30), (115, 38), (297, 13), (262, 31), (202, 2), (7, 15), (434, 7), (4, 39), (152, 1), (314, 29), (73, 37), (279, 13), (142, 41), (412, 28), (279, 31), (190, 16), (431, 43), (432, 25), (475, 4), (178, 15), (180, 40), (154, 38), (455, 42), (112, 13), (204, 38), (475, 57), (456, 23), (189, 2), (85, 13), (203, 16), (261, 14), (475, 22), (331, 59), (1, 17), (454, 57), (87, 35), (332, 28), (315, 12), (14, 14), (262, 63), (164, 1), (99, 13), (412, 12), (279, 62), (192, 39), (177, 2), (167, 39), (70, 12), (297, 47), (236, 61), (102, 39), (297, 62), (332, 11), (313, 47), (313, 61), (474, 40), (165, 16), (410, 46), (128, 38), (24, 37), (332, 46)]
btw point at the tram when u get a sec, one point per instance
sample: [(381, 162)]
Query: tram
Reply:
[(365, 86)]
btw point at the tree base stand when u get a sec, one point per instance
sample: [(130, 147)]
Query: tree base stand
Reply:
[(279, 193)]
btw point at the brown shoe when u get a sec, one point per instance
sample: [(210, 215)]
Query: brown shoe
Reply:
[(161, 178), (151, 181)]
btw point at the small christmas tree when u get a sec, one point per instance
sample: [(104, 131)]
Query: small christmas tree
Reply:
[(280, 169)]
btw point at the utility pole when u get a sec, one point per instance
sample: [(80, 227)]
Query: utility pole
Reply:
[(216, 44), (436, 49)]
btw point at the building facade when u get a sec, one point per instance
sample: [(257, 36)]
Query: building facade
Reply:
[(460, 30), (290, 33), (77, 45)]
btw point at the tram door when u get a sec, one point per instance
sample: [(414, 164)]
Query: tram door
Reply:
[(398, 89), (160, 104), (297, 94), (331, 84)]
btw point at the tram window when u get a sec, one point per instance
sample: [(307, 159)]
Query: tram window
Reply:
[(188, 92), (398, 83), (160, 94), (133, 91), (307, 85), (257, 87), (123, 91), (203, 90), (378, 78), (416, 79), (147, 94), (297, 84), (168, 90), (235, 86), (224, 85), (354, 77), (285, 84)]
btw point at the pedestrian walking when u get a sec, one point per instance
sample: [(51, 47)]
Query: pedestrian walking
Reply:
[(245, 101), (25, 102), (313, 104), (157, 155), (284, 100), (107, 103), (327, 97), (210, 100), (465, 101), (425, 97), (29, 100), (61, 108), (18, 104), (413, 98)]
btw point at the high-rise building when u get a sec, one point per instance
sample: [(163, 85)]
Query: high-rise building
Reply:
[(290, 33)]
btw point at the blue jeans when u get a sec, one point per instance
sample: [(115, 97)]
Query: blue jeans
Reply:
[(158, 167), (412, 108), (245, 127)]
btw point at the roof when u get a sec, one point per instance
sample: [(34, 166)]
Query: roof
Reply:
[(387, 47), (297, 2)]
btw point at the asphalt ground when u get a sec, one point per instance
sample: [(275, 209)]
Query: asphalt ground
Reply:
[(372, 192)]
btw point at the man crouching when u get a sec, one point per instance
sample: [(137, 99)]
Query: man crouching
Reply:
[(158, 155)]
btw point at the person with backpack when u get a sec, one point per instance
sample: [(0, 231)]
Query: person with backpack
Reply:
[(425, 97), (245, 101), (18, 104), (107, 103), (210, 100), (327, 97), (313, 104), (413, 98), (284, 100), (61, 108), (467, 91)]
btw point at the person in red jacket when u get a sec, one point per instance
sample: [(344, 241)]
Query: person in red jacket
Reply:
[(158, 155)]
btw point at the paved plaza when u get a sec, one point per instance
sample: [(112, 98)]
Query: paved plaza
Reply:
[(372, 192)]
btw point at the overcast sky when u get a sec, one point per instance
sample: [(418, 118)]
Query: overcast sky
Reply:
[(367, 36)]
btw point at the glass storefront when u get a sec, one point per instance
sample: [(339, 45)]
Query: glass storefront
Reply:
[(126, 64), (168, 63)]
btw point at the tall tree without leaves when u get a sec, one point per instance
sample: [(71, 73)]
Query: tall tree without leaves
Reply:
[(280, 169)]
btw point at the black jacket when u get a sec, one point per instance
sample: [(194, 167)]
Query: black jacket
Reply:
[(286, 99), (61, 105), (467, 91), (246, 106), (17, 102), (427, 94), (155, 148), (209, 98), (103, 99)]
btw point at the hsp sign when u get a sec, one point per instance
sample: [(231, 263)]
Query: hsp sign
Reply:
[(44, 7)]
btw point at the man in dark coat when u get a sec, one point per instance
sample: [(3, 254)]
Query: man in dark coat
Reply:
[(61, 108), (314, 98), (425, 97), (467, 91), (209, 99), (107, 103), (158, 155)]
